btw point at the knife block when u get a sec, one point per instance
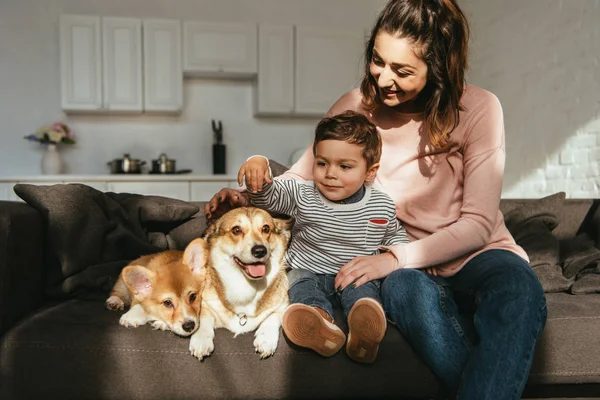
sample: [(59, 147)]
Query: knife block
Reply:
[(219, 155)]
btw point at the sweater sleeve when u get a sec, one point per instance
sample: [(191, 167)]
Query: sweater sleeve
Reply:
[(395, 234), (281, 196), (302, 169), (483, 159)]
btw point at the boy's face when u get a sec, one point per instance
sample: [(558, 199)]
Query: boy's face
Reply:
[(340, 169)]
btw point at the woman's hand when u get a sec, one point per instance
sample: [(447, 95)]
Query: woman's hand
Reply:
[(256, 172), (226, 199), (364, 269)]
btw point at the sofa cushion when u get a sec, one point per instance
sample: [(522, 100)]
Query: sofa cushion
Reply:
[(78, 348), (569, 347), (277, 168), (531, 224), (547, 209), (91, 235), (580, 260)]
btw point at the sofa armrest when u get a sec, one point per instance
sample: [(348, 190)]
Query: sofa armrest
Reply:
[(21, 262)]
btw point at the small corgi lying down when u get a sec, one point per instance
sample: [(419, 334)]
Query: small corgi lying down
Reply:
[(246, 287), (164, 289)]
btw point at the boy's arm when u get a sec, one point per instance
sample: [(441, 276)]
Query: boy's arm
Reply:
[(280, 196), (395, 234)]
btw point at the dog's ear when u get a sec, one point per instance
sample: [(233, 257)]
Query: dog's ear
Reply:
[(195, 255), (283, 227), (139, 280), (210, 230), (284, 224)]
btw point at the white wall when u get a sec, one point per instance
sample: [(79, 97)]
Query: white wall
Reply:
[(541, 58), (30, 94)]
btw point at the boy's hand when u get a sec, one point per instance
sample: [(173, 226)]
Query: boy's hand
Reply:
[(256, 171)]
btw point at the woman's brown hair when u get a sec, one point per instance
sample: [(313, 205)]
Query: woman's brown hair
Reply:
[(354, 128), (440, 31)]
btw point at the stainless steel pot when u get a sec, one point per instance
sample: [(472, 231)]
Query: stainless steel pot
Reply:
[(163, 165), (126, 165)]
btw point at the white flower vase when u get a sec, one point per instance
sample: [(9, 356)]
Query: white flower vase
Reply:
[(51, 161)]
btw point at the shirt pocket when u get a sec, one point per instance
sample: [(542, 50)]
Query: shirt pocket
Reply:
[(376, 229)]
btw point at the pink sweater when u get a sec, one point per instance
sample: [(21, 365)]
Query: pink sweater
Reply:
[(447, 199)]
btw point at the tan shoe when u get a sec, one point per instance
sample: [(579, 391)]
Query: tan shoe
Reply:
[(367, 325), (312, 328)]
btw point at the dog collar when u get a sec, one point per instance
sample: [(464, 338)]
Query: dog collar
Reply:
[(243, 318)]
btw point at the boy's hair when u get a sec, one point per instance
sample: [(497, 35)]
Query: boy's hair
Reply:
[(354, 128)]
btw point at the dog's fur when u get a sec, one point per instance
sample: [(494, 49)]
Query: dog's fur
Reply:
[(163, 289), (246, 285)]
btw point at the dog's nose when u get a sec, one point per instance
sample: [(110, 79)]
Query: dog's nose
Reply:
[(259, 251), (188, 326)]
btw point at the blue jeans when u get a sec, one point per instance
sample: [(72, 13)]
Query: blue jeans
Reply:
[(318, 290), (483, 355)]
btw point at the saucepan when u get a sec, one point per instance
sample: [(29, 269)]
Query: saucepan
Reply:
[(126, 165)]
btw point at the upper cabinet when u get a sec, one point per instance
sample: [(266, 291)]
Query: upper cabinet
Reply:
[(80, 62), (122, 64), (274, 94), (213, 49), (304, 70), (163, 72), (102, 67), (138, 65)]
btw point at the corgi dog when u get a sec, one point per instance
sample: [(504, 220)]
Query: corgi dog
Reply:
[(246, 287), (163, 289)]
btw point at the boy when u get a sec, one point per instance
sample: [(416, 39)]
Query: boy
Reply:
[(338, 216)]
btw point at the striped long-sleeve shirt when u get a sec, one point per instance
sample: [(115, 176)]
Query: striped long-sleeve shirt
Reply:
[(327, 235)]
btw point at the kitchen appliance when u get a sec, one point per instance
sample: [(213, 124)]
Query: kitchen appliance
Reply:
[(126, 165), (219, 149)]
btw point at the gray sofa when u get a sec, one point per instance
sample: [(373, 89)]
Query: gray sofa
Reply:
[(59, 341)]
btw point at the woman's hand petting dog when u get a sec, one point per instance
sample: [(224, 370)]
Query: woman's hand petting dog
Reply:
[(225, 200)]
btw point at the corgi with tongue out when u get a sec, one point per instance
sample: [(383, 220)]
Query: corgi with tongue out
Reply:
[(246, 288)]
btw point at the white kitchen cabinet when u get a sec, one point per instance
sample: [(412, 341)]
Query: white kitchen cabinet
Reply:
[(108, 65), (174, 190), (216, 49), (163, 71), (122, 64), (80, 62), (5, 190), (274, 90), (328, 64)]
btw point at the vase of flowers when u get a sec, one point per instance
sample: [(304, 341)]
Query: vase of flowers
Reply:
[(51, 136)]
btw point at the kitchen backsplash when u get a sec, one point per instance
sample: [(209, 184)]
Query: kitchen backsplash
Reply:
[(188, 137)]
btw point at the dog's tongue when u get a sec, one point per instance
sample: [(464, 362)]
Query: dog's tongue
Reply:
[(255, 270)]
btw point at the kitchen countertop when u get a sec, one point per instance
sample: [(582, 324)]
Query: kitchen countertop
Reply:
[(118, 177)]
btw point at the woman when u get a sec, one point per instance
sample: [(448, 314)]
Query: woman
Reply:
[(442, 163)]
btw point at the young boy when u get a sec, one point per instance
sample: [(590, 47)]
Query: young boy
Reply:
[(338, 216)]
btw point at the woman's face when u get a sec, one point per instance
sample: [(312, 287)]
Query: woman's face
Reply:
[(399, 72)]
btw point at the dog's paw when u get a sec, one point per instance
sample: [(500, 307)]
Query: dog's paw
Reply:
[(159, 325), (115, 303), (132, 320), (201, 346), (265, 342)]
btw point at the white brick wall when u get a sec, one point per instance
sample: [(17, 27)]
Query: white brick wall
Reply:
[(542, 59)]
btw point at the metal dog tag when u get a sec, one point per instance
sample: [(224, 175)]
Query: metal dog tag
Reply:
[(243, 318)]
